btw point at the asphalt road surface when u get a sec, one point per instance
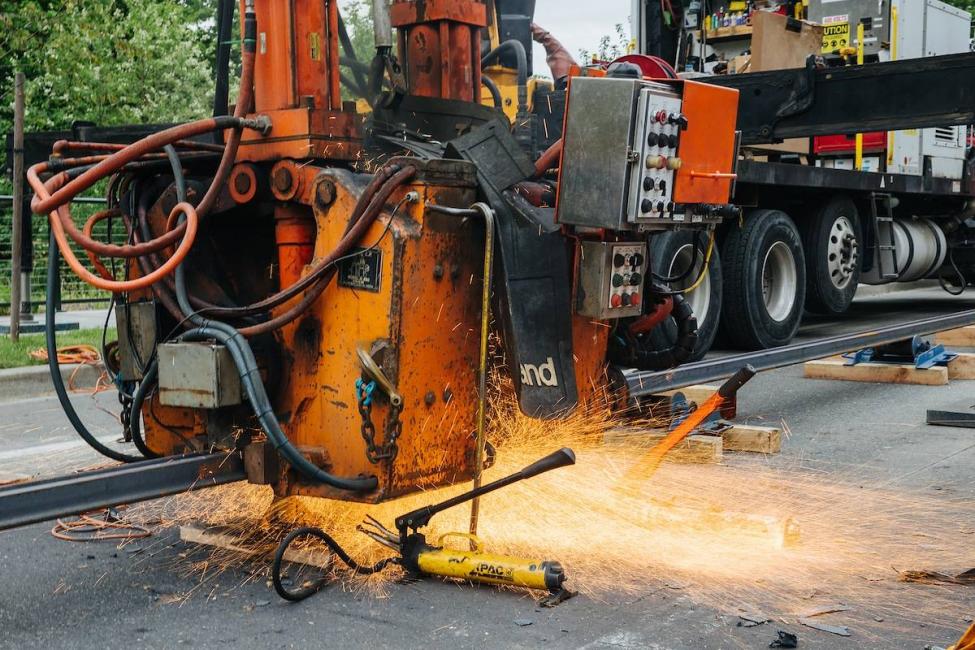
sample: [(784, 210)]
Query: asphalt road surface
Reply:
[(69, 595)]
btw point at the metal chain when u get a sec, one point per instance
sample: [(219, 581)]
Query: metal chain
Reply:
[(389, 449)]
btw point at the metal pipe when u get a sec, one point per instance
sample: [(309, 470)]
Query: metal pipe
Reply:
[(641, 384), (382, 24), (488, 215), (18, 218)]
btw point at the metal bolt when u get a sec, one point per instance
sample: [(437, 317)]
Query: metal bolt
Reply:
[(454, 271), (324, 192), (438, 272), (282, 180), (242, 183), (429, 398), (447, 395)]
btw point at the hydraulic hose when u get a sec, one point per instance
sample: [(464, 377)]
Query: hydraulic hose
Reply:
[(53, 196), (225, 26), (307, 590), (518, 48), (493, 89), (630, 352), (53, 281)]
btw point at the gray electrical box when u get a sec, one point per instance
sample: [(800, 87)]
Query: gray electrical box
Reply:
[(611, 279), (197, 375), (136, 325)]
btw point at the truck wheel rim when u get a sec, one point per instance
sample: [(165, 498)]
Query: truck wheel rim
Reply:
[(842, 253), (699, 300), (779, 278)]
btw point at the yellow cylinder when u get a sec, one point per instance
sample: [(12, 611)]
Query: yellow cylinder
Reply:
[(490, 568)]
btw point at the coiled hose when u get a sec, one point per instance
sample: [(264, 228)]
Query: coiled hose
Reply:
[(636, 351), (312, 588)]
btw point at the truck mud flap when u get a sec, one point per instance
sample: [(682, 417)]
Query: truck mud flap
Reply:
[(535, 301)]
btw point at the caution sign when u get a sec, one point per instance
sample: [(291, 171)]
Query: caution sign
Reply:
[(835, 37)]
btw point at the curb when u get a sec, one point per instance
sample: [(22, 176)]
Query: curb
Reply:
[(35, 381)]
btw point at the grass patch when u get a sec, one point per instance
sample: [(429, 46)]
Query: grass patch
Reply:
[(15, 355)]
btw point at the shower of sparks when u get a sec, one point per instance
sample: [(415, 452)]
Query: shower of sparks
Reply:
[(724, 535)]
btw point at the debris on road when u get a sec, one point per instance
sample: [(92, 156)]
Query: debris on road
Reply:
[(936, 577), (840, 630), (785, 640)]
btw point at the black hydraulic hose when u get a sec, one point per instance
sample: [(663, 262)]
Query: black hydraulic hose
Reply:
[(519, 49), (150, 377), (632, 353), (53, 281), (493, 89), (307, 590), (225, 26)]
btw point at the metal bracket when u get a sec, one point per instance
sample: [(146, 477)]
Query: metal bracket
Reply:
[(916, 350)]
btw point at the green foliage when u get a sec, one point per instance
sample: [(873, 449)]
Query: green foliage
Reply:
[(609, 48), (108, 61)]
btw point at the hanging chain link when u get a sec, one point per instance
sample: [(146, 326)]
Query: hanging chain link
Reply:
[(388, 449)]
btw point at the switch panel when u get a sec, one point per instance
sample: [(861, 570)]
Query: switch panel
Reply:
[(611, 279), (656, 138)]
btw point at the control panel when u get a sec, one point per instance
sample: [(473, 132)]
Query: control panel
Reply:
[(611, 279), (656, 138), (641, 155)]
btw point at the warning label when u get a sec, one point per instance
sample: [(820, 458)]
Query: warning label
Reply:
[(835, 36)]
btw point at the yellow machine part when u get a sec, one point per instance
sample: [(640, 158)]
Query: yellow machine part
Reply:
[(420, 323), (506, 79), (479, 566)]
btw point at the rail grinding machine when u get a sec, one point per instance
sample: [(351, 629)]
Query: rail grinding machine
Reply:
[(305, 283)]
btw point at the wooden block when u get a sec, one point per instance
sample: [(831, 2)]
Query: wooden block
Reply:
[(216, 537), (744, 437), (962, 366), (697, 393), (880, 373), (962, 337), (693, 449)]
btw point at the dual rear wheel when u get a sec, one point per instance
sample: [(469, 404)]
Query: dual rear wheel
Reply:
[(767, 272)]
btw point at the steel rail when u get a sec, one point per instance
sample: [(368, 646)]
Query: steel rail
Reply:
[(643, 383), (35, 501)]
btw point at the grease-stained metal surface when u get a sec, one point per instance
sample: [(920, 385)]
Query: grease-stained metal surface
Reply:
[(421, 327)]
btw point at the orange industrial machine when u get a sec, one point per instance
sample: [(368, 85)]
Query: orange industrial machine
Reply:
[(311, 286)]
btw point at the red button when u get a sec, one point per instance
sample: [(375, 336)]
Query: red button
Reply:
[(661, 117), (616, 300), (634, 298)]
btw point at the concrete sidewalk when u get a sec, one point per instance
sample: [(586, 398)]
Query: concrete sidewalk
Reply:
[(84, 319)]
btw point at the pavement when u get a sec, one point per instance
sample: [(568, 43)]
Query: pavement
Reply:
[(872, 437)]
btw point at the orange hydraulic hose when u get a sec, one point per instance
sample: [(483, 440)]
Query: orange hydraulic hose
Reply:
[(548, 159), (138, 283), (55, 204), (89, 226)]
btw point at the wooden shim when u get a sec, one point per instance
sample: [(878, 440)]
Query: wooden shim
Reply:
[(962, 366), (744, 437), (214, 537), (693, 449), (697, 393), (963, 337), (883, 373)]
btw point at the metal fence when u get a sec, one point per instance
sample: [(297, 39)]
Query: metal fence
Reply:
[(73, 291)]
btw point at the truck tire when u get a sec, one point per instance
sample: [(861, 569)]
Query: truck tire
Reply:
[(764, 281), (672, 252), (831, 238)]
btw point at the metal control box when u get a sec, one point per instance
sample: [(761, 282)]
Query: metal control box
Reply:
[(611, 279), (615, 130), (642, 155), (197, 375)]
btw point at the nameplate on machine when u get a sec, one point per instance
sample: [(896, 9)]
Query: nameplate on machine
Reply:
[(362, 269)]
